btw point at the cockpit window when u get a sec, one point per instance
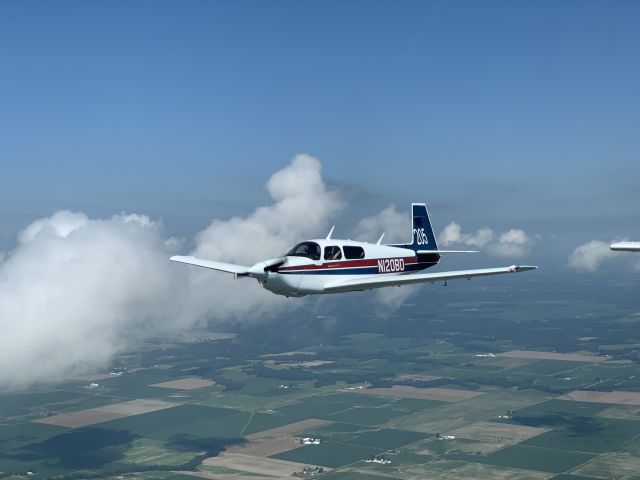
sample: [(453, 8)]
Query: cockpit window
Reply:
[(306, 249), (332, 253), (353, 252)]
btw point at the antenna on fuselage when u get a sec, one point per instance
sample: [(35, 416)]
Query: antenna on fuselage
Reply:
[(330, 232), (380, 239)]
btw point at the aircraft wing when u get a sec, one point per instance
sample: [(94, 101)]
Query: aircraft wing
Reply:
[(625, 247), (223, 267), (407, 279)]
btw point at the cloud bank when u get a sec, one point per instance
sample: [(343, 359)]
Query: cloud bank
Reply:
[(452, 235), (76, 290), (514, 243)]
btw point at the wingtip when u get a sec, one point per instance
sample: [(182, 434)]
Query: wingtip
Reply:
[(179, 258), (524, 268)]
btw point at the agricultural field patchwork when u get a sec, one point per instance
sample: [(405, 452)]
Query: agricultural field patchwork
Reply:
[(466, 390)]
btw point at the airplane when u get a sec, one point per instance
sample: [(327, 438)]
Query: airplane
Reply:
[(625, 247), (328, 265)]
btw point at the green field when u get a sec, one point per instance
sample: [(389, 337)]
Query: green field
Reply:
[(563, 476), (386, 438), (533, 458), (21, 433), (414, 405), (364, 415), (329, 454), (593, 434), (316, 406), (152, 452), (24, 403), (352, 476), (356, 408), (197, 420), (265, 421), (341, 428), (561, 407), (549, 367)]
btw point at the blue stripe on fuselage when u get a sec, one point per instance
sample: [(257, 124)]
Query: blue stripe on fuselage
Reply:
[(358, 270)]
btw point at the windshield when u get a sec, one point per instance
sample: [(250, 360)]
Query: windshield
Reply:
[(305, 249)]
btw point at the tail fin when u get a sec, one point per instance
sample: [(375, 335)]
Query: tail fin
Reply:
[(421, 231)]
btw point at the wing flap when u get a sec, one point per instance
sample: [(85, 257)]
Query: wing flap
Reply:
[(408, 279), (220, 266)]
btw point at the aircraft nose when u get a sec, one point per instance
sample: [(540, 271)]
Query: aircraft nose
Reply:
[(260, 269)]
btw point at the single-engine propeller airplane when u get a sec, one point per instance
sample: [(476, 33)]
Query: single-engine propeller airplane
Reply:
[(329, 265)]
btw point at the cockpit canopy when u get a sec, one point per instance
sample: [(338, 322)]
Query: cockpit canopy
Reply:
[(305, 249), (313, 251)]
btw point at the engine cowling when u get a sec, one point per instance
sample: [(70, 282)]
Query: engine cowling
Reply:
[(261, 269)]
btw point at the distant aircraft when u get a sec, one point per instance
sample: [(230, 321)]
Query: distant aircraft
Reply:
[(329, 265), (626, 247)]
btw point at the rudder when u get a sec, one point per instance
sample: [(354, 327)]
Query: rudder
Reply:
[(421, 230)]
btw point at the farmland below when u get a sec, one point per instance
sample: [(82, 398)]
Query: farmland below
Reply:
[(491, 380)]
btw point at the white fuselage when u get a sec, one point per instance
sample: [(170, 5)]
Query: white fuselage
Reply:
[(340, 260)]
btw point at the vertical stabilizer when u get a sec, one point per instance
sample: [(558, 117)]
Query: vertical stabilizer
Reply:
[(421, 230)]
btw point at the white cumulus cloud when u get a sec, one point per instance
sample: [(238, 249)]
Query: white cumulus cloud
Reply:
[(76, 290), (395, 225), (452, 234), (590, 256), (512, 243), (302, 208)]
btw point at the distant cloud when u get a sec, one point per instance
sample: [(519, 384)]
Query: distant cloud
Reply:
[(395, 297), (590, 256), (452, 234), (395, 225), (512, 243)]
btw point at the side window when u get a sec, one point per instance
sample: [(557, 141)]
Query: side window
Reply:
[(353, 252), (332, 253)]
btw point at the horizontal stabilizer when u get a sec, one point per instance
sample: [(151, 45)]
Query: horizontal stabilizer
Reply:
[(408, 279), (424, 252), (223, 267)]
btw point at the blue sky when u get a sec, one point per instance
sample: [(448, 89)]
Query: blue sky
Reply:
[(506, 114)]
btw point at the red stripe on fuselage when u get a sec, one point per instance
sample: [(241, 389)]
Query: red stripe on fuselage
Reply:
[(348, 264)]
